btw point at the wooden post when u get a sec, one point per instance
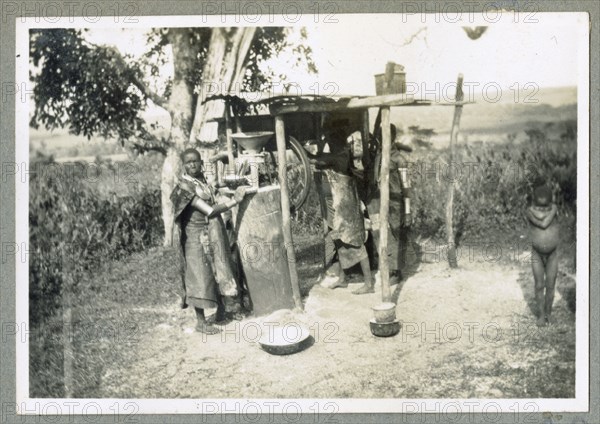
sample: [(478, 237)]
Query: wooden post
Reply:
[(452, 261), (366, 159), (285, 209), (318, 179), (231, 165), (365, 139), (384, 207)]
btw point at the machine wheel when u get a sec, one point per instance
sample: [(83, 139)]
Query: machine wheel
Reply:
[(299, 174)]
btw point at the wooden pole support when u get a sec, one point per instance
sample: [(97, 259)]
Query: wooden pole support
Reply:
[(231, 165), (285, 209), (318, 179), (452, 260), (366, 160), (385, 204)]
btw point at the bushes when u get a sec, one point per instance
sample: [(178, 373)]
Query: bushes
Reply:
[(72, 230), (494, 181)]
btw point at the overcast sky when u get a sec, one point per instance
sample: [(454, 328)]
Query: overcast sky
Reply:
[(350, 52)]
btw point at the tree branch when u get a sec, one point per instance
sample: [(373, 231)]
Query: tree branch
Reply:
[(146, 91), (138, 82), (148, 142), (413, 37)]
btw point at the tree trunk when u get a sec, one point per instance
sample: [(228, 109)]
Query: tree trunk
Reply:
[(180, 106), (222, 74), (222, 70)]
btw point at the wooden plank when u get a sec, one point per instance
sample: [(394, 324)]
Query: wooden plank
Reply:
[(352, 103), (454, 104), (387, 100), (452, 260), (385, 204), (262, 251), (285, 209), (307, 107)]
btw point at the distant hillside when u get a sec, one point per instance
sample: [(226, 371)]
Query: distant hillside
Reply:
[(484, 118)]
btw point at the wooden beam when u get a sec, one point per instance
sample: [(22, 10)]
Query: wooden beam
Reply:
[(387, 100), (307, 107), (285, 209), (348, 103), (384, 188), (461, 103)]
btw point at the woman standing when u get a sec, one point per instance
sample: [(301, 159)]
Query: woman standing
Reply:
[(196, 211), (344, 215)]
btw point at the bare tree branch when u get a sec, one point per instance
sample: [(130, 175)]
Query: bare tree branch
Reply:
[(150, 143), (146, 91), (138, 82), (413, 37)]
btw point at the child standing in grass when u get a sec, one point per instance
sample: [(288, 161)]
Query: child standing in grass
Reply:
[(545, 236)]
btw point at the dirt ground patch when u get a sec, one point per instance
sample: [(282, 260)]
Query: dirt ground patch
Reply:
[(467, 333)]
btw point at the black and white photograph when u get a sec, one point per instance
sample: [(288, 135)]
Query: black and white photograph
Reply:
[(259, 211)]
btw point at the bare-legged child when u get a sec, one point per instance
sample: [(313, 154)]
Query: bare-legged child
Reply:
[(545, 236)]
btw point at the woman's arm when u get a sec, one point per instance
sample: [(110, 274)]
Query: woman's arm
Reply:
[(544, 222), (324, 158), (339, 161), (212, 211), (540, 212)]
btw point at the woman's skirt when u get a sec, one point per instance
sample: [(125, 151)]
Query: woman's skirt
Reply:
[(200, 282)]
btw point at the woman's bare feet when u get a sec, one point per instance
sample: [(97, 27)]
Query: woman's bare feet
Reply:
[(202, 325), (206, 328), (364, 289), (332, 282)]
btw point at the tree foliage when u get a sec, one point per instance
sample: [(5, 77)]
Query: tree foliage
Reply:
[(89, 89), (93, 89)]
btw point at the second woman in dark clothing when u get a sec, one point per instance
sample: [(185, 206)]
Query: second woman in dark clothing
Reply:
[(344, 215)]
